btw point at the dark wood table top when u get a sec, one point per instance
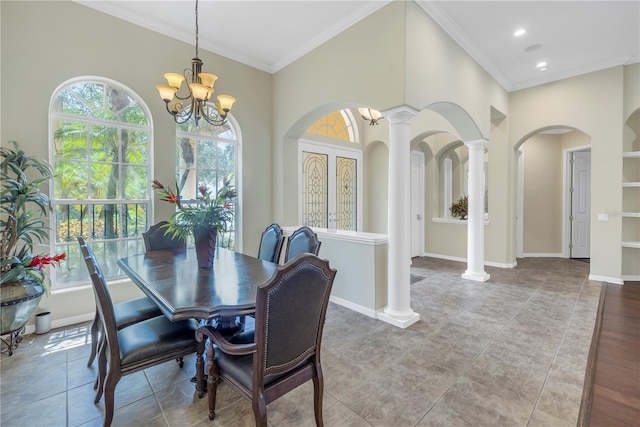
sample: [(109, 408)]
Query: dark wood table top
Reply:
[(172, 279)]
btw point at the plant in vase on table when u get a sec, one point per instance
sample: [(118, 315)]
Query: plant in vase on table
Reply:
[(202, 218), (23, 209)]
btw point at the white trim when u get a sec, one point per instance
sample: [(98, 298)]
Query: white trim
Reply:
[(566, 197), (464, 260), (332, 151), (520, 203), (630, 278), (400, 323), (455, 221), (614, 280), (54, 116), (630, 244), (61, 323), (355, 307), (361, 237), (448, 190), (543, 255), (420, 223)]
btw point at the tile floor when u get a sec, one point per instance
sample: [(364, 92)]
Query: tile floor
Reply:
[(508, 352)]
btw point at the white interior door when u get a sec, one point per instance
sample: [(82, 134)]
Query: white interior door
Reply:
[(580, 204), (417, 203)]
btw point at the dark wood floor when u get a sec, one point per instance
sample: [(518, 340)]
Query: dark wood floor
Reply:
[(612, 386)]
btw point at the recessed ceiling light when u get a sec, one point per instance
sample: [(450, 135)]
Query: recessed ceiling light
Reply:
[(519, 32), (543, 69), (541, 64)]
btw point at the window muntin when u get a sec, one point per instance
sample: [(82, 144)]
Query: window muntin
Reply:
[(207, 155), (336, 125), (100, 153)]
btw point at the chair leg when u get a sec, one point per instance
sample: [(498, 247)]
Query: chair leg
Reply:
[(318, 387), (212, 380), (260, 410), (109, 399), (102, 371), (94, 339)]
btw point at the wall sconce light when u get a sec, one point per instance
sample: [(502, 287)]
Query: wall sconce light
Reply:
[(370, 115)]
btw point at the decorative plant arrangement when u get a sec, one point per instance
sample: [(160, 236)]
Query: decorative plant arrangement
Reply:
[(202, 218), (23, 209), (460, 208)]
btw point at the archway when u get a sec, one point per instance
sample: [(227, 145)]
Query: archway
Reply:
[(551, 219)]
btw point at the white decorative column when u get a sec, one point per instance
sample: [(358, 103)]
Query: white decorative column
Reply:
[(398, 310), (475, 220)]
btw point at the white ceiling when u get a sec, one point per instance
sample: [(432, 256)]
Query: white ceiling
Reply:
[(575, 37)]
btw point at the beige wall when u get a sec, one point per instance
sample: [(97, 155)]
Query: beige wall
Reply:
[(362, 66), (46, 43), (542, 224), (592, 103), (397, 56)]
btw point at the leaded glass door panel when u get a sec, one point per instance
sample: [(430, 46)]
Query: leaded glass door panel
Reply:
[(330, 184)]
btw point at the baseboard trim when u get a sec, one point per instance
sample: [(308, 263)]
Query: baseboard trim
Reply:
[(459, 259), (542, 255), (61, 323), (613, 280), (355, 307), (627, 278)]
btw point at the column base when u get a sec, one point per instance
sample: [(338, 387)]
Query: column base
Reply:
[(401, 320), (478, 277)]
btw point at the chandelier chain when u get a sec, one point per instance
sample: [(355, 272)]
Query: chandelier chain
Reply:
[(196, 28), (199, 88)]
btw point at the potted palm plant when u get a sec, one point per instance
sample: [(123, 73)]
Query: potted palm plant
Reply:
[(23, 210), (202, 218)]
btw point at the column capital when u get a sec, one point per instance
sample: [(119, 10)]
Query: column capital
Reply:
[(402, 114), (476, 143)]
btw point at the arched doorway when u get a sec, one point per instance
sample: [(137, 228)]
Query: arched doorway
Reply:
[(553, 193)]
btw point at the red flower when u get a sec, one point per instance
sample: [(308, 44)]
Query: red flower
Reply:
[(171, 198), (40, 261), (203, 189)]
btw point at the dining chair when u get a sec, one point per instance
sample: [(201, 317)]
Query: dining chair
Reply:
[(155, 238), (271, 244), (138, 309), (283, 351), (135, 347), (302, 240)]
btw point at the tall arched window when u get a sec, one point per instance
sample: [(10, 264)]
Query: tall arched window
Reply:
[(100, 149), (208, 155)]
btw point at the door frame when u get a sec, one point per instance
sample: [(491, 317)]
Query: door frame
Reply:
[(566, 196), (420, 192), (331, 151)]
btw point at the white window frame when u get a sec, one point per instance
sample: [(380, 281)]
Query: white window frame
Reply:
[(56, 116)]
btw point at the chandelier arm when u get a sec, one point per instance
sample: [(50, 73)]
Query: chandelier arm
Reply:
[(218, 121)]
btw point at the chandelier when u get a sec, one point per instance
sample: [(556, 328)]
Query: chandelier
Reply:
[(195, 103), (370, 115)]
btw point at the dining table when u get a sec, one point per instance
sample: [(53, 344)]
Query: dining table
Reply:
[(182, 290)]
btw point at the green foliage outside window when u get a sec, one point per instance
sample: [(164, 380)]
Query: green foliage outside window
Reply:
[(101, 188)]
